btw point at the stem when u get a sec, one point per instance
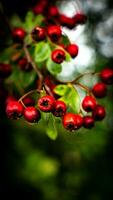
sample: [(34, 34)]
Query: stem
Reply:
[(28, 93), (30, 60), (48, 90), (87, 73), (84, 88)]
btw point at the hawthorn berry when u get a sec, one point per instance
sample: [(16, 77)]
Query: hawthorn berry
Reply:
[(14, 109), (54, 32), (58, 56), (24, 65), (80, 18), (53, 11), (106, 76), (64, 20), (38, 34), (5, 70), (72, 121), (46, 103), (28, 101), (99, 113), (72, 49), (99, 90), (31, 114), (9, 98), (89, 103), (88, 122), (59, 108), (18, 34)]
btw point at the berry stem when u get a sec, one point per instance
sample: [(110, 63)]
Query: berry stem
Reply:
[(30, 60), (28, 93), (82, 75), (84, 88), (48, 90)]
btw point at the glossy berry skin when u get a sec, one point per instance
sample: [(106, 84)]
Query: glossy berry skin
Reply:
[(58, 56), (14, 109), (31, 114), (99, 90), (38, 34), (46, 103), (24, 65), (53, 11), (80, 18), (9, 98), (72, 121), (88, 103), (59, 109), (18, 34), (72, 49), (28, 101), (54, 32), (5, 70), (99, 113), (64, 20), (106, 76), (88, 122)]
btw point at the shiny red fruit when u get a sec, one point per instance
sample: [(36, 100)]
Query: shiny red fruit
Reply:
[(46, 103), (31, 114), (72, 49), (38, 9), (53, 11), (9, 98), (5, 70), (69, 22), (38, 34), (99, 113), (89, 103), (59, 109), (28, 101), (18, 34), (99, 90), (80, 18), (54, 32), (58, 56), (24, 65), (106, 76), (88, 122), (14, 109), (72, 121)]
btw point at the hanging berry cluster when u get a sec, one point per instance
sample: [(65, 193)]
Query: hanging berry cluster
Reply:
[(39, 47)]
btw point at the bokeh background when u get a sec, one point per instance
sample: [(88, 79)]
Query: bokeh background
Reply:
[(75, 166)]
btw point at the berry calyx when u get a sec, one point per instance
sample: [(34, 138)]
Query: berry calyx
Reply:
[(31, 114), (106, 76), (72, 49), (54, 32), (99, 90), (72, 121), (88, 122), (14, 109), (59, 108), (28, 101), (18, 34), (58, 56), (24, 65), (88, 103), (38, 34), (5, 70), (99, 113), (46, 103)]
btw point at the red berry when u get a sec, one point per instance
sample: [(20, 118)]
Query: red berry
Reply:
[(59, 108), (24, 65), (54, 32), (14, 109), (72, 49), (9, 98), (53, 11), (80, 18), (99, 90), (5, 70), (18, 34), (72, 121), (28, 101), (38, 9), (88, 122), (58, 56), (88, 103), (46, 103), (107, 76), (31, 114), (67, 21), (99, 113), (38, 34)]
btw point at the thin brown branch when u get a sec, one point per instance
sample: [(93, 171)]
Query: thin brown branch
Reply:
[(48, 90), (28, 93), (85, 74)]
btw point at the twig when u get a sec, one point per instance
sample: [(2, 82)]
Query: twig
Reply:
[(87, 73), (28, 93), (48, 90)]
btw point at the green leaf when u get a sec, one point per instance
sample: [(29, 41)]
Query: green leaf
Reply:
[(42, 52), (68, 57), (53, 67), (51, 130), (61, 89), (15, 21), (65, 40)]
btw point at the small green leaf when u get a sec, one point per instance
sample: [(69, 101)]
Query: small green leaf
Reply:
[(61, 89), (51, 130), (65, 40), (15, 21), (53, 67), (68, 57), (42, 52)]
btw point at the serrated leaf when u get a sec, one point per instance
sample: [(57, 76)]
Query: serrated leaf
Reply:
[(51, 130), (42, 52), (61, 89), (53, 67)]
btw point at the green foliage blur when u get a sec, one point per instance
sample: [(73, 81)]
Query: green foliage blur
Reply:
[(75, 166)]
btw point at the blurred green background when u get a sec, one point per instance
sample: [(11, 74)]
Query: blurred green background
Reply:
[(76, 165)]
